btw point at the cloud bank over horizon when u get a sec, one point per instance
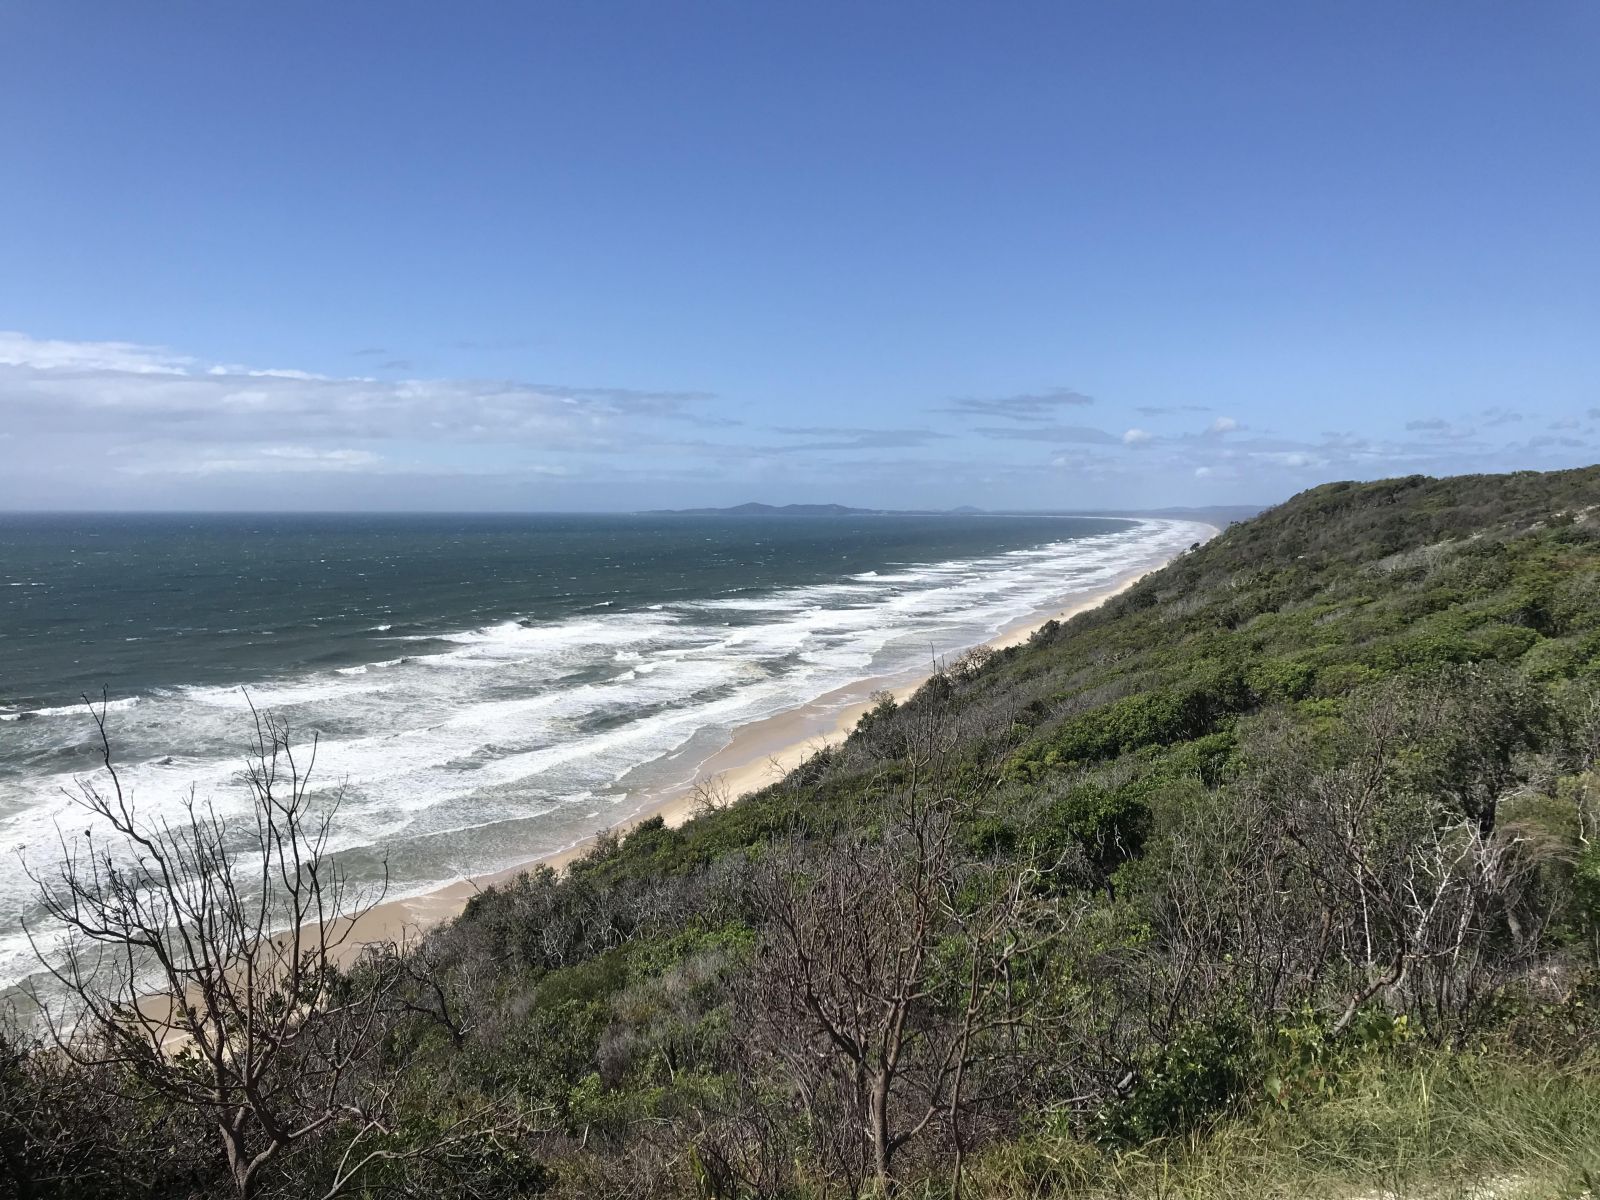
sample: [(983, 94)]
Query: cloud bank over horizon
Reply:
[(117, 424)]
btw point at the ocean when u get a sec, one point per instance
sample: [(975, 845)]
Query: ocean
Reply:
[(485, 689)]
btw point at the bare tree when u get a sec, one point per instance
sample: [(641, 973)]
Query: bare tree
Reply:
[(889, 978), (1421, 895), (202, 957), (712, 795), (1361, 880), (430, 984)]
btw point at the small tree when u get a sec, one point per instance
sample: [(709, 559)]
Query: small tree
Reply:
[(201, 957), (893, 977)]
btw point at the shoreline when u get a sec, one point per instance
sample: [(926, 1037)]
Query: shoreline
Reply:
[(758, 754)]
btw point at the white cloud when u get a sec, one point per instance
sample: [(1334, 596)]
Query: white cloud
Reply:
[(114, 424), (1289, 458), (275, 460), (60, 387), (117, 423), (49, 354)]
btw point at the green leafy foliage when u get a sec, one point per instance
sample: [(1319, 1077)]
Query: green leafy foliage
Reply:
[(1201, 1074)]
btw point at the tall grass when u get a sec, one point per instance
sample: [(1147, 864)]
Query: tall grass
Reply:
[(1443, 1127)]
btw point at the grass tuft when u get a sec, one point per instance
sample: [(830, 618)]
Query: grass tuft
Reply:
[(1464, 1127)]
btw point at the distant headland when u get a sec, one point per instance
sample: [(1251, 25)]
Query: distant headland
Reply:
[(1221, 516), (754, 509)]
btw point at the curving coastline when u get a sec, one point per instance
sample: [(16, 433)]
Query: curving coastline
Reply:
[(757, 754), (468, 693)]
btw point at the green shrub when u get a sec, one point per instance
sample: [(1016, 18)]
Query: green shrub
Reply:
[(1201, 1075)]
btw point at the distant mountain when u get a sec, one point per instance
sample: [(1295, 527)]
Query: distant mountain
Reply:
[(774, 510), (1220, 516)]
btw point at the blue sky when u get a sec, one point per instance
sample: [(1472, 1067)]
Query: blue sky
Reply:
[(562, 256)]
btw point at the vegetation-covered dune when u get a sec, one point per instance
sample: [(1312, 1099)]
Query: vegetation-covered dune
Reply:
[(1276, 876)]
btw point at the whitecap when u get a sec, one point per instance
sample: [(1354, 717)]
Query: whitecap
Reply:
[(537, 711), (80, 709)]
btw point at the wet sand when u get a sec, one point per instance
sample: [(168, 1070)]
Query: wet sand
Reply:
[(758, 754)]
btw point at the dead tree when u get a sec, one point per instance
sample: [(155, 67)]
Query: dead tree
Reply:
[(201, 960), (1423, 897), (429, 986), (889, 977)]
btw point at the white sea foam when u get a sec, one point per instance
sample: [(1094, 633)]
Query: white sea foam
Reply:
[(515, 737), (78, 710)]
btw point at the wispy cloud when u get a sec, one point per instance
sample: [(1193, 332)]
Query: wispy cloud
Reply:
[(1501, 416), (54, 354), (121, 387), (116, 423), (1083, 434), (1026, 406), (831, 437), (262, 460)]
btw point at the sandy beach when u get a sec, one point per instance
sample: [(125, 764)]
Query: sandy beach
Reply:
[(758, 754)]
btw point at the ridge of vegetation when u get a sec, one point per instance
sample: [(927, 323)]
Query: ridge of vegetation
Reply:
[(1276, 875)]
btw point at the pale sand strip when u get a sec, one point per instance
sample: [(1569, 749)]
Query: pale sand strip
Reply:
[(758, 754)]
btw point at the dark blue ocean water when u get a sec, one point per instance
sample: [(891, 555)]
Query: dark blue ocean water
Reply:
[(486, 688), (138, 602)]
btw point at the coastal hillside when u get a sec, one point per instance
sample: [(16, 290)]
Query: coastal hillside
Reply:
[(1277, 875)]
